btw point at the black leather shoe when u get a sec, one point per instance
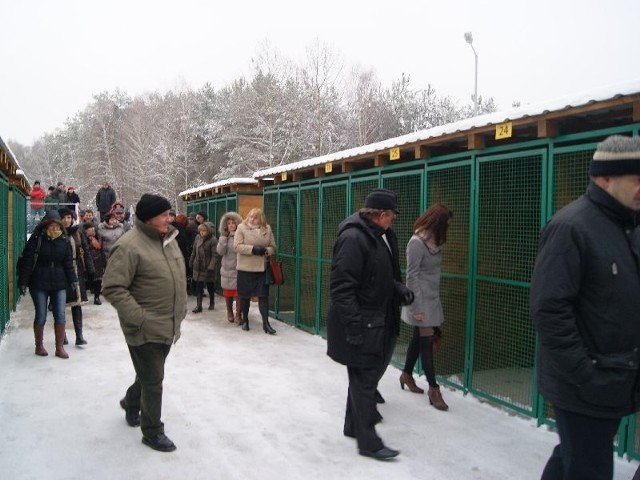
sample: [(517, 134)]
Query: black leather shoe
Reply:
[(379, 398), (131, 415), (383, 454), (160, 442)]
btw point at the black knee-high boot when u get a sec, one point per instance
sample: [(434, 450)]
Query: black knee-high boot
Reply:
[(211, 288), (97, 289), (199, 295), (263, 306), (244, 305), (76, 314)]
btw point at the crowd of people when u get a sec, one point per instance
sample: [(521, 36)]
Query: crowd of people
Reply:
[(583, 298)]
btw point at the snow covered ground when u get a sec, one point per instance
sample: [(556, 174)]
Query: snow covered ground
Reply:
[(238, 405)]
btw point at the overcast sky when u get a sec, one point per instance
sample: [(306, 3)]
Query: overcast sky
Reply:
[(55, 55)]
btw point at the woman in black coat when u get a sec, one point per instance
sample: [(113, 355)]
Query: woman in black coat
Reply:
[(46, 268)]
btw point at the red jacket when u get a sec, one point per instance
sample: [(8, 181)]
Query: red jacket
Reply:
[(37, 197)]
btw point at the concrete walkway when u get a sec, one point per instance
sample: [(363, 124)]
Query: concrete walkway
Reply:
[(239, 405)]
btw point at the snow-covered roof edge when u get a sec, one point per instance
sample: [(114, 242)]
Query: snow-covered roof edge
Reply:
[(570, 101), (220, 183)]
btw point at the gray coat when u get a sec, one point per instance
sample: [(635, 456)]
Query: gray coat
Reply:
[(423, 278), (203, 257), (229, 262)]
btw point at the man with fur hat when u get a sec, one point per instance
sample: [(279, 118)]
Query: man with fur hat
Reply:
[(364, 317), (145, 282), (585, 303)]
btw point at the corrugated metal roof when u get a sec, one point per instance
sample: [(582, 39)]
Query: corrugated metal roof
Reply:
[(570, 101)]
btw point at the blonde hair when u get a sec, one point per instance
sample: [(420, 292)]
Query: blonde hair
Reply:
[(256, 212)]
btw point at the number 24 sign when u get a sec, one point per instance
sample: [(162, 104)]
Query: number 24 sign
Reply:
[(504, 130)]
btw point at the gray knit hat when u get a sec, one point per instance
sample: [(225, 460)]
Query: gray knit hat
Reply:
[(616, 155)]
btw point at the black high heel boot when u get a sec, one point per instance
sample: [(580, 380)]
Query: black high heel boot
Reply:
[(245, 324), (267, 327)]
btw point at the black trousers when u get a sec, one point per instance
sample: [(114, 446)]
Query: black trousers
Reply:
[(146, 391), (361, 413), (585, 451)]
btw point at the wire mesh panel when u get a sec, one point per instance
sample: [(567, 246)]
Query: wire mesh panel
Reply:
[(409, 188), (287, 231), (570, 176), (4, 255), (307, 279), (360, 188), (19, 239), (451, 186), (509, 210), (334, 211)]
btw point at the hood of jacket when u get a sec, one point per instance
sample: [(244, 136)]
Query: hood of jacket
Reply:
[(222, 227)]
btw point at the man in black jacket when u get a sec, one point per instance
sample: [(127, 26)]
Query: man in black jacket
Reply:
[(585, 303), (363, 320), (105, 198)]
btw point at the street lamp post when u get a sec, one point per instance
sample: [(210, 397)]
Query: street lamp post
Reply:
[(469, 39)]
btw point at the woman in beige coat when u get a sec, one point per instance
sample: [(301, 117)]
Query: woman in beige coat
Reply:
[(254, 243), (424, 260)]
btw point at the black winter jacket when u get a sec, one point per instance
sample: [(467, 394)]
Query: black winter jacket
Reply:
[(54, 265), (363, 299), (585, 303)]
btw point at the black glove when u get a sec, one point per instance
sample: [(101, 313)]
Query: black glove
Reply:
[(258, 250), (405, 295), (23, 290)]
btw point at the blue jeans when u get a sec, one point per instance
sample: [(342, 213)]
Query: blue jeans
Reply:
[(40, 297)]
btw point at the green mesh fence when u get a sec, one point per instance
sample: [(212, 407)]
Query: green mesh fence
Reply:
[(4, 255), (309, 261), (570, 176), (334, 211), (508, 222), (451, 186)]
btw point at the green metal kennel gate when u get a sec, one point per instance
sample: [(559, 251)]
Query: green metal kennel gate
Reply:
[(500, 197)]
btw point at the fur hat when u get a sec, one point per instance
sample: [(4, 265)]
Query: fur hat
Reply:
[(616, 155), (382, 199), (151, 205)]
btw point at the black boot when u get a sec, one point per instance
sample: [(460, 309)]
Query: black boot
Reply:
[(244, 306), (263, 306), (76, 314), (212, 295), (267, 327), (97, 288), (198, 308)]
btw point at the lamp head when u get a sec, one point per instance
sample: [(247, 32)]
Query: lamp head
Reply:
[(468, 38)]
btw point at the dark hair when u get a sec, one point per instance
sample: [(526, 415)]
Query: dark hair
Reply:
[(202, 214), (435, 220), (88, 225)]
